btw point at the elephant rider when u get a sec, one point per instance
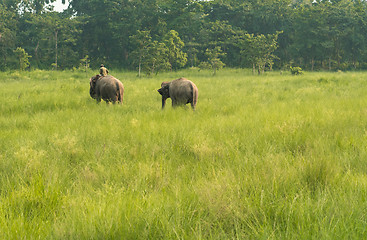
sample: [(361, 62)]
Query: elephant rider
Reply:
[(103, 71)]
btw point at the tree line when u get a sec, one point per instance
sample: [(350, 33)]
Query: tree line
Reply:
[(157, 35)]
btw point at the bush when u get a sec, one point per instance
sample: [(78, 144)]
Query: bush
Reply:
[(296, 70)]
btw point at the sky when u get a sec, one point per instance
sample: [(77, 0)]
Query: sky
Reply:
[(59, 6)]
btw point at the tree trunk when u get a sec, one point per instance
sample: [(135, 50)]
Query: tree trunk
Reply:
[(86, 66), (139, 66), (3, 50), (153, 68), (36, 52), (329, 63), (56, 49), (4, 60)]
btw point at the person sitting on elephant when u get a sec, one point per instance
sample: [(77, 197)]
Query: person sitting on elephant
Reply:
[(108, 88), (103, 71)]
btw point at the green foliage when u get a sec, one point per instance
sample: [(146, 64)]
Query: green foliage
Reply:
[(315, 34), (149, 55), (152, 56), (53, 38), (176, 58), (84, 63), (8, 26), (214, 62), (23, 58), (282, 158), (157, 58), (142, 41), (296, 70), (259, 50)]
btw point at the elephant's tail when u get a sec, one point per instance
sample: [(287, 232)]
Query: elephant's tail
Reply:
[(194, 95), (120, 92)]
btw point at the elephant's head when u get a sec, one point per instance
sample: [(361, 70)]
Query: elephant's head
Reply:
[(164, 91), (92, 82)]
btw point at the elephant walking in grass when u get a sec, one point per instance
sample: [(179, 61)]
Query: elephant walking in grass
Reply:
[(181, 91), (108, 88)]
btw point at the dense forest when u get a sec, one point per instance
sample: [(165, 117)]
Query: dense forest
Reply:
[(157, 35)]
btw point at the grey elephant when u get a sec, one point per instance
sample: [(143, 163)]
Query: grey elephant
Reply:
[(181, 91), (108, 88)]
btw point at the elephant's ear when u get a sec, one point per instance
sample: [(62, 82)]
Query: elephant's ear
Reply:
[(163, 84), (93, 81)]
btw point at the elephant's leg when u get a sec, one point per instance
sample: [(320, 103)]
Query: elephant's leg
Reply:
[(192, 105), (119, 98), (163, 102), (114, 99), (174, 103)]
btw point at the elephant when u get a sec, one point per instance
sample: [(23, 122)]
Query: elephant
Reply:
[(181, 91), (108, 88)]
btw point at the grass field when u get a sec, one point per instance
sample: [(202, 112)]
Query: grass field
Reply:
[(263, 157)]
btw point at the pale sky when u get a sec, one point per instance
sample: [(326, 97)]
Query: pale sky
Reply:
[(59, 6)]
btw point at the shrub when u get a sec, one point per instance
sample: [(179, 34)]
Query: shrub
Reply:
[(296, 70)]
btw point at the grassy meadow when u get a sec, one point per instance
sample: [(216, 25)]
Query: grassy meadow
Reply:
[(263, 157)]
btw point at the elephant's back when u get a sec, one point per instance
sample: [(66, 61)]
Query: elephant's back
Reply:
[(181, 87), (109, 81), (182, 91)]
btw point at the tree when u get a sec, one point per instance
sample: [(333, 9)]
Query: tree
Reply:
[(259, 50), (149, 55), (342, 30), (326, 34), (8, 29), (157, 58), (109, 23), (255, 16), (36, 6), (141, 42), (63, 34), (84, 63), (224, 35), (53, 39), (176, 57), (23, 58), (214, 62), (187, 18)]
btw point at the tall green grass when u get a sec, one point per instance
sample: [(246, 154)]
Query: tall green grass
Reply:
[(263, 157)]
